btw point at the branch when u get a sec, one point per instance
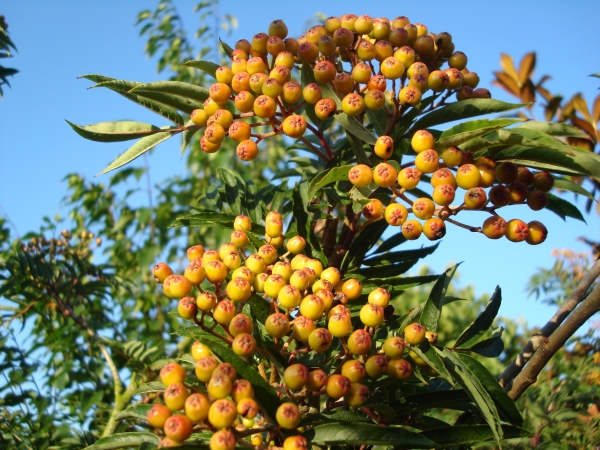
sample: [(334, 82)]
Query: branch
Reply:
[(578, 294), (528, 376)]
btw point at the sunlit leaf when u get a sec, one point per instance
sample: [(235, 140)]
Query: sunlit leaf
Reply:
[(124, 130)]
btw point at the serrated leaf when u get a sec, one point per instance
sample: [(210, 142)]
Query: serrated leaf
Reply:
[(482, 323), (466, 131), (367, 434), (568, 185), (554, 129), (138, 149), (206, 66), (506, 406), (400, 256), (563, 208), (124, 130), (179, 88), (463, 110), (153, 386), (234, 189), (326, 177), (432, 309), (124, 440), (135, 412)]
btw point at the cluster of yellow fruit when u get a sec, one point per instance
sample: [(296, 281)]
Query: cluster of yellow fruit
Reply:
[(308, 310), (341, 56), (450, 170)]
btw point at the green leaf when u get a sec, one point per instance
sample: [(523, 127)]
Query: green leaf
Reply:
[(456, 399), (234, 189), (266, 396), (390, 243), (396, 257), (362, 243), (326, 177), (124, 130), (432, 309), (563, 208), (489, 348), (153, 386), (506, 406), (554, 129), (466, 131), (187, 135), (179, 88), (124, 440), (463, 110), (430, 356), (358, 148), (226, 48), (482, 323), (304, 225), (568, 185), (279, 197), (467, 435), (472, 385), (337, 416), (134, 412), (138, 149), (367, 434), (354, 127), (207, 66)]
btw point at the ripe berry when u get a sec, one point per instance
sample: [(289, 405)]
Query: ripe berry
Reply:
[(239, 289), (396, 214), (443, 194), (373, 210), (500, 195), (222, 413), (241, 323), (371, 315), (325, 108), (525, 176), (537, 200), (338, 386), (379, 296), (244, 344), (405, 55), (359, 342), (284, 268), (295, 443), (226, 369), (518, 192), (219, 386), (256, 83), (179, 286), (289, 297), (482, 93), (507, 172), (352, 288), (353, 104), (384, 175), (205, 366), (320, 340), (494, 227), (158, 415), (537, 232), (392, 68), (414, 333), (543, 181), (312, 306), (222, 440), (428, 161), (409, 178), (452, 156), (303, 326), (471, 80), (343, 84), (161, 271), (200, 350), (434, 229), (256, 264), (410, 95), (357, 395), (340, 323), (324, 72), (178, 428), (272, 88), (296, 376), (399, 369), (206, 301), (292, 92), (468, 176), (458, 60), (431, 336), (422, 140), (308, 52), (224, 311), (423, 208), (187, 308), (412, 229), (264, 106), (516, 230), (172, 373), (288, 416), (360, 175), (374, 100), (361, 73), (384, 147), (376, 366), (475, 198), (175, 396), (394, 347), (247, 408), (277, 325), (216, 272)]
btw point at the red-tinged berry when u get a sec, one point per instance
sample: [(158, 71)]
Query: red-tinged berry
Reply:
[(224, 311), (158, 415), (358, 394), (175, 396), (303, 326), (247, 408), (537, 232), (292, 92), (394, 347), (360, 175), (216, 272), (161, 271), (434, 229), (518, 192), (423, 208), (396, 214), (244, 345), (384, 175), (452, 157), (409, 178), (294, 126), (482, 93), (537, 200), (277, 325), (371, 315), (516, 230), (186, 308), (432, 337), (359, 342), (376, 366), (525, 176), (178, 428), (352, 288), (475, 198), (226, 369), (443, 176), (384, 147), (399, 369), (241, 389), (338, 386), (219, 386), (343, 84), (324, 72), (296, 376), (222, 440), (206, 301), (427, 161), (288, 416), (241, 323), (414, 333), (325, 108), (172, 373), (412, 229), (543, 181), (443, 194), (373, 210), (205, 366), (353, 104), (494, 227), (222, 413), (379, 296)]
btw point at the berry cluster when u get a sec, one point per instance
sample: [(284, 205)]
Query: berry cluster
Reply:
[(367, 63), (452, 169), (309, 313)]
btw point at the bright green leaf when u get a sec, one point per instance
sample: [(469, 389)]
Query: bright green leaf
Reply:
[(432, 309), (563, 208), (327, 177), (466, 131), (207, 66), (482, 323), (123, 440), (179, 88), (124, 130)]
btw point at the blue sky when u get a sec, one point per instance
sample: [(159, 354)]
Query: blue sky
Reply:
[(60, 40)]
